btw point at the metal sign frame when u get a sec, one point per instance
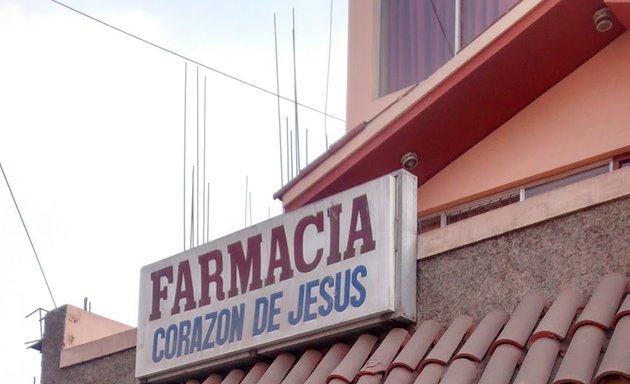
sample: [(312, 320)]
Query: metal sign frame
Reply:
[(342, 264)]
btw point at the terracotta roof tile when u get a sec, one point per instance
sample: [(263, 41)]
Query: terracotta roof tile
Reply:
[(278, 369), (329, 362), (485, 333), (450, 340), (213, 379), (427, 356), (522, 322), (354, 359), (539, 362), (624, 310), (430, 374), (461, 371), (557, 320), (303, 368), (370, 379), (616, 361), (602, 306), (400, 375), (385, 353), (234, 377), (402, 369), (581, 358), (254, 374), (427, 334), (501, 365)]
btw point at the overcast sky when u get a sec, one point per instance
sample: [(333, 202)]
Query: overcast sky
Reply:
[(91, 138)]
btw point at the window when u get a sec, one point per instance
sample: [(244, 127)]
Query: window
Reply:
[(479, 15), (429, 224), (418, 36), (621, 161), (483, 207), (566, 180)]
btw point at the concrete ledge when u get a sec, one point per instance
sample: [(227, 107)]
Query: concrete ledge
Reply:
[(559, 202), (82, 327), (98, 348)]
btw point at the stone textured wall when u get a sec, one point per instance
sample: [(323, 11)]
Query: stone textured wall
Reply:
[(571, 251), (118, 368)]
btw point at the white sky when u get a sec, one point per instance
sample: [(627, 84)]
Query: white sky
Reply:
[(91, 134)]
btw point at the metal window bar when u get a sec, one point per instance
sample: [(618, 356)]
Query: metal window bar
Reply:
[(483, 207), (457, 44)]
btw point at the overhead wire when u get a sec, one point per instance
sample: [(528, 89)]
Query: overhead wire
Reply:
[(437, 17), (181, 56), (29, 236)]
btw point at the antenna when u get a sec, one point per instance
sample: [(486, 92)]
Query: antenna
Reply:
[(203, 219), (189, 59), (328, 74), (208, 214), (291, 150), (204, 161), (192, 210), (184, 172), (246, 194), (297, 129), (306, 146), (288, 155), (197, 145), (250, 208), (275, 39)]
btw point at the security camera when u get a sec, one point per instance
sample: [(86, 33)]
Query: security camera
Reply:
[(409, 160)]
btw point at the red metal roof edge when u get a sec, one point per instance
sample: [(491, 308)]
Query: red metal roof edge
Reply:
[(433, 94)]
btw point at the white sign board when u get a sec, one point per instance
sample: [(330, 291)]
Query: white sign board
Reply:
[(345, 262)]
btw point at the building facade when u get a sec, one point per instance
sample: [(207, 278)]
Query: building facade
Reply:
[(513, 116)]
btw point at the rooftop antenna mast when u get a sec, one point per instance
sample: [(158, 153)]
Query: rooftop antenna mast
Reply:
[(250, 208), (246, 196), (184, 172), (275, 38), (328, 74), (197, 145), (306, 145), (192, 210), (208, 214), (297, 129), (204, 162), (288, 152), (291, 152)]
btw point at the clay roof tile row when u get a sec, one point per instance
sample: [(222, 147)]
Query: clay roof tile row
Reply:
[(527, 347)]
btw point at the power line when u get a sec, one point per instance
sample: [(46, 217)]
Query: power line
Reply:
[(28, 235), (437, 17), (194, 61)]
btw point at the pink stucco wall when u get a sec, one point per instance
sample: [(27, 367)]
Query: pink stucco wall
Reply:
[(583, 119)]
